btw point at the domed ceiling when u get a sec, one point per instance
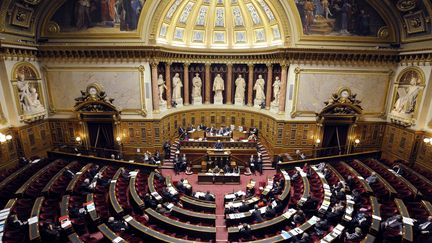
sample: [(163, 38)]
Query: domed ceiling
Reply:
[(220, 24)]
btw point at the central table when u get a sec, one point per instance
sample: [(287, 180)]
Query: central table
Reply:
[(211, 178)]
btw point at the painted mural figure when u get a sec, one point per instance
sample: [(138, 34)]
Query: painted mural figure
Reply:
[(130, 11), (177, 85), (82, 10), (309, 15), (108, 12)]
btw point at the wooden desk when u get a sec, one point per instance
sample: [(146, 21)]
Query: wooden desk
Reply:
[(306, 186), (150, 234), (109, 234), (64, 209), (112, 193), (196, 134), (74, 238), (284, 196), (216, 138), (369, 239), (93, 213), (191, 203), (204, 145), (193, 217), (407, 230), (265, 227), (34, 233), (76, 178), (428, 206), (240, 135), (376, 215), (204, 178), (132, 189), (203, 232)]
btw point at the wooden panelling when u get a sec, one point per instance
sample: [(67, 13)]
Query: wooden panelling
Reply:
[(398, 142), (371, 134), (424, 153), (35, 138), (64, 131), (8, 150)]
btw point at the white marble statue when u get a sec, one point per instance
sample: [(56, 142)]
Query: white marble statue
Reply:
[(28, 96), (218, 86), (276, 90), (162, 87), (240, 89), (177, 85), (259, 88), (407, 97), (197, 84)]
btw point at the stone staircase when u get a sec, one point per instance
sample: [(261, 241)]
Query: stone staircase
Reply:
[(322, 26), (267, 160)]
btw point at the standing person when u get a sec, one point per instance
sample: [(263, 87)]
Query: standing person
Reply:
[(167, 149)]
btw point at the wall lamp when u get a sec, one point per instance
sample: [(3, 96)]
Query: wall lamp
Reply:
[(427, 141), (78, 140), (356, 142), (5, 138)]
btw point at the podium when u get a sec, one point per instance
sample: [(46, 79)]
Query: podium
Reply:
[(196, 134), (219, 156)]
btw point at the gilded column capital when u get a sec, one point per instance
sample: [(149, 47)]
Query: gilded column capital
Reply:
[(251, 65), (269, 65), (186, 64), (207, 64), (154, 64)]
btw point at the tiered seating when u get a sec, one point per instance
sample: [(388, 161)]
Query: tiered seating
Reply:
[(100, 197), (420, 182), (405, 189)]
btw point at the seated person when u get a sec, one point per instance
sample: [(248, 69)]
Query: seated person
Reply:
[(372, 178), (149, 202), (94, 171), (244, 207), (298, 218), (398, 169), (227, 169), (321, 226), (256, 215), (15, 222), (425, 229), (159, 176), (310, 205), (85, 187), (296, 176), (305, 238), (180, 186), (355, 236), (245, 231), (50, 233), (392, 226), (209, 197), (68, 174), (161, 209), (270, 212), (117, 225)]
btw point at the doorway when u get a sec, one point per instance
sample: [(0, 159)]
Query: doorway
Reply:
[(101, 134), (335, 139)]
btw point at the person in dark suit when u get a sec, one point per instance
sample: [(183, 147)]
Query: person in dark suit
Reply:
[(259, 164), (276, 160), (181, 132), (227, 169), (310, 205), (321, 226), (94, 170), (270, 212), (392, 227), (208, 196), (149, 202), (68, 174), (15, 222), (252, 164), (218, 145), (244, 207), (256, 215), (167, 149), (117, 225), (85, 188), (245, 232), (425, 230), (50, 233), (355, 236)]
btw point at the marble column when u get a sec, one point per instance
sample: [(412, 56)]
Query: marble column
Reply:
[(155, 89), (168, 84), (186, 83), (229, 84), (283, 90), (250, 84), (269, 85), (207, 83)]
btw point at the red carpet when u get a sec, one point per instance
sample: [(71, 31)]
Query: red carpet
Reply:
[(219, 190)]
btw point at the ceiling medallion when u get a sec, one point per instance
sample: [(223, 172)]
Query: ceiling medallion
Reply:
[(406, 5)]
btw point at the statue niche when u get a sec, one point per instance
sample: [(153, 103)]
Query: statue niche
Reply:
[(28, 87), (407, 94)]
